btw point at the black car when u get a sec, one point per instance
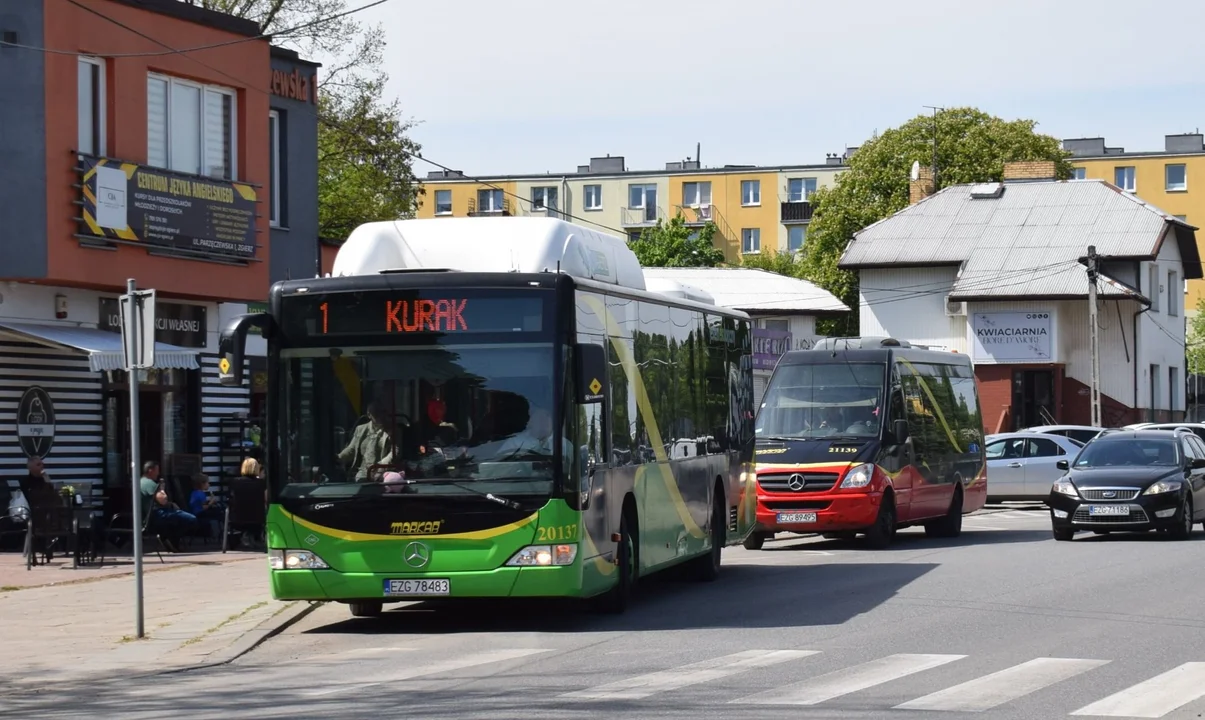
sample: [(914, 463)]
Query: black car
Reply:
[(1131, 480)]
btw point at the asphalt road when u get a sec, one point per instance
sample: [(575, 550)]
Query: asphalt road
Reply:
[(1001, 623)]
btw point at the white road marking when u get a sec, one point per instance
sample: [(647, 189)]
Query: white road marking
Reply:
[(1153, 698), (989, 691), (642, 686), (843, 682), (408, 672)]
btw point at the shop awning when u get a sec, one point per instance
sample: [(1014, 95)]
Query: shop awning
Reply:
[(103, 348)]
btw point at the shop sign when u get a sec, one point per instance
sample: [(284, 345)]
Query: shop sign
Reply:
[(294, 85), (35, 422), (175, 323), (769, 346), (1012, 337), (149, 206)]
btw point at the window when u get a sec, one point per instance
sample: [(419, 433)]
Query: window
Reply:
[(640, 196), (1079, 173), (1176, 177), (275, 176), (778, 324), (489, 201), (91, 94), (443, 202), (190, 127), (1173, 388), (544, 198), (800, 189), (1039, 447), (795, 237), (751, 240), (696, 194), (1173, 296), (1152, 290), (750, 192), (1123, 177), (592, 197)]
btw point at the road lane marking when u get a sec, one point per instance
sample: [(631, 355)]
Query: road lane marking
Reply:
[(989, 691), (1153, 698), (642, 686), (415, 671), (843, 682)]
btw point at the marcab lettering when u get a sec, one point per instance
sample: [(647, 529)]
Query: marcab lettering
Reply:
[(416, 527)]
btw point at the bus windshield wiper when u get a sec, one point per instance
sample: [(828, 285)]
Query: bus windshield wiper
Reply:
[(487, 495), (781, 438)]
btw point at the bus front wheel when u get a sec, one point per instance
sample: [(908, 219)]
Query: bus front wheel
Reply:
[(615, 601), (366, 608)]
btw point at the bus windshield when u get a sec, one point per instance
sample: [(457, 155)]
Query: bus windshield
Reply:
[(428, 419), (823, 400)]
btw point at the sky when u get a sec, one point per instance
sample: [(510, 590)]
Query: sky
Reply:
[(540, 86)]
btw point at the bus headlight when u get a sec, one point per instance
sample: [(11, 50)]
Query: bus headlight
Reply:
[(858, 477), (544, 555), (295, 560)]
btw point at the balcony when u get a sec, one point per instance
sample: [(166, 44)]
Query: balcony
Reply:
[(795, 213), (697, 214), (642, 217), (490, 209)]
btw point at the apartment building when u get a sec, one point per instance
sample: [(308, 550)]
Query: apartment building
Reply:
[(754, 208), (1171, 179)]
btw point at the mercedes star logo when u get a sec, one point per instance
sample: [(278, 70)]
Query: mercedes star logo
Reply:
[(796, 482), (417, 555)]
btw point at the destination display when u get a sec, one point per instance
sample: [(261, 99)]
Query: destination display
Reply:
[(412, 312)]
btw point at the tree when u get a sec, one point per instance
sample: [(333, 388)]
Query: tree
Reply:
[(365, 156), (972, 146), (1195, 347), (673, 244), (781, 263)]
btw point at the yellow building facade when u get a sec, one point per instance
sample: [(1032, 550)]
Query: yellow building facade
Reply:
[(755, 209), (1172, 180)]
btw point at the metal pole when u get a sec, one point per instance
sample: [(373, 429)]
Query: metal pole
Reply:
[(1094, 336), (135, 320)]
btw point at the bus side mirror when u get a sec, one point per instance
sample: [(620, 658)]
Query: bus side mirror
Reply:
[(232, 345), (590, 373), (899, 428)]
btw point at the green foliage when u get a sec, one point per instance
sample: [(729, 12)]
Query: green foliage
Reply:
[(972, 146), (1195, 347), (365, 156), (674, 244), (781, 263)]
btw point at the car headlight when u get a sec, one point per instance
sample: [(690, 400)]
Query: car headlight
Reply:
[(544, 555), (858, 477), (1163, 486), (1064, 487), (295, 560)]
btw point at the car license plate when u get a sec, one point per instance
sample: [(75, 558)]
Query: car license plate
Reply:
[(417, 588), (791, 518), (1108, 510)]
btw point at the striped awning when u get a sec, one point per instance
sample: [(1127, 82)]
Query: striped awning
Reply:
[(103, 348)]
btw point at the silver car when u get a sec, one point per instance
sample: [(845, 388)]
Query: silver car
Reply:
[(1021, 466), (1081, 433)]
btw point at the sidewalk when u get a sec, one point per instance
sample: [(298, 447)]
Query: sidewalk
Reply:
[(200, 609)]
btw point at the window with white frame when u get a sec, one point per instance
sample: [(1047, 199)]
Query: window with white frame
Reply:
[(489, 201), (276, 177), (592, 197), (751, 240), (191, 127), (544, 198), (696, 194), (1079, 173), (750, 192), (1123, 177), (796, 234), (1174, 297), (443, 202), (1153, 280), (1176, 177), (91, 106), (800, 189)]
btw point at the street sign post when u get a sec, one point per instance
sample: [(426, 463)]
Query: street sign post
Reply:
[(138, 346)]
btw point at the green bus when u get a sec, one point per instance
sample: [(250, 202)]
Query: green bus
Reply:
[(497, 407)]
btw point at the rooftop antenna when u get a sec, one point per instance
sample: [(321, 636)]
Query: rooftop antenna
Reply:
[(699, 153)]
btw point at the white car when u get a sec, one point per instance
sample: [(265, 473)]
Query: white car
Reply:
[(1022, 466), (1198, 429), (1082, 433)]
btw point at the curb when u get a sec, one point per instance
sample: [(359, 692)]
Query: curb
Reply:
[(290, 615)]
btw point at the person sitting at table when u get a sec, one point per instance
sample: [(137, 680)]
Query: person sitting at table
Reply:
[(166, 519), (204, 506)]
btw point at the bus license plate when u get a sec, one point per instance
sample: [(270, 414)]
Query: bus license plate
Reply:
[(788, 518), (416, 588), (1108, 510)]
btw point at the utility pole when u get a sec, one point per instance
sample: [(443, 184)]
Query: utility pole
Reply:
[(934, 109), (1094, 336)]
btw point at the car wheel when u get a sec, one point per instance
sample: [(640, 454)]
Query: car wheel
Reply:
[(1063, 535), (879, 535), (755, 541), (1183, 528)]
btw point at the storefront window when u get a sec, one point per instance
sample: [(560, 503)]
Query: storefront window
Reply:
[(169, 422)]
